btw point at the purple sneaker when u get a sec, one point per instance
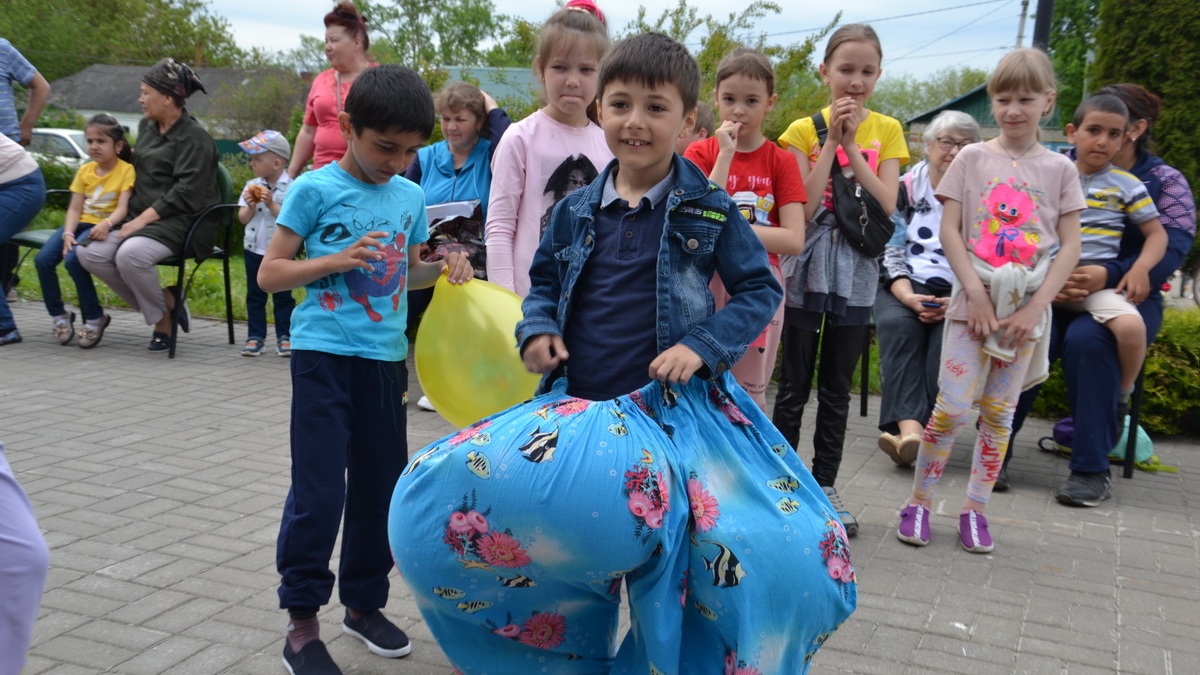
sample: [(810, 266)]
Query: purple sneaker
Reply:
[(973, 532), (914, 525)]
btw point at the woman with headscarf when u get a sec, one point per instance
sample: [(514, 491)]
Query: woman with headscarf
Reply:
[(176, 164), (346, 47)]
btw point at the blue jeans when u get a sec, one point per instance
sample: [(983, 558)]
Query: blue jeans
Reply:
[(48, 259), (20, 201), (256, 303)]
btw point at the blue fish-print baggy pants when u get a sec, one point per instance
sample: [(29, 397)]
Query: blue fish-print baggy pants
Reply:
[(516, 533)]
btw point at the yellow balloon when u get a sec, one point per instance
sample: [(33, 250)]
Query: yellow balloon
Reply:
[(467, 360)]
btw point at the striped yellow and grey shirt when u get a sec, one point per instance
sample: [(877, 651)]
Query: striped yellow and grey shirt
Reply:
[(1115, 199)]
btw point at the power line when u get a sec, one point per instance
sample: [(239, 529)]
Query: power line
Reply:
[(945, 35), (965, 51), (891, 18)]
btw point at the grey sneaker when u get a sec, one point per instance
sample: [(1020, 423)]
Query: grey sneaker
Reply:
[(64, 328), (1085, 489), (849, 522), (89, 336)]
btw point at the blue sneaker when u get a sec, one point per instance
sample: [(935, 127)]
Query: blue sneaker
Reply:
[(10, 338), (253, 347)]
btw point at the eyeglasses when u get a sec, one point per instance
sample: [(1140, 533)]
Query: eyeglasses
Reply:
[(949, 143)]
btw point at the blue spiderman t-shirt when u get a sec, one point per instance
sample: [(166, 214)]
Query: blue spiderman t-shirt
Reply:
[(356, 313)]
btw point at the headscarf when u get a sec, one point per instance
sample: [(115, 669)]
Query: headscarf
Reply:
[(173, 79)]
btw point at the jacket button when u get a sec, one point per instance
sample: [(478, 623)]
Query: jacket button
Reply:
[(722, 367), (692, 244), (629, 234)]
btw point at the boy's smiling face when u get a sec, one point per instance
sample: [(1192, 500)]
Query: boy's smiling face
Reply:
[(641, 126)]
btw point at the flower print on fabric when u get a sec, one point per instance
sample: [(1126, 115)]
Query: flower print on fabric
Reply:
[(478, 545), (474, 433), (705, 509), (1007, 230), (734, 666), (544, 630), (648, 497), (727, 407), (564, 408), (836, 551)]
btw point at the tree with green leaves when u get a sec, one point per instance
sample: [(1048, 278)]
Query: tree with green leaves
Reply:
[(905, 96), (1072, 39), (425, 33), (1154, 43), (62, 37)]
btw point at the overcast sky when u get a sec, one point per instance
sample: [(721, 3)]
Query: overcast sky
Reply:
[(918, 36)]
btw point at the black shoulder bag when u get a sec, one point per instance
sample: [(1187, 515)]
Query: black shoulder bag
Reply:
[(859, 216)]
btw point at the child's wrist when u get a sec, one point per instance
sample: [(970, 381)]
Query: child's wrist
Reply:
[(69, 234)]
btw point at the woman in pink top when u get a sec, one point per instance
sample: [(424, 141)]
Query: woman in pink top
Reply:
[(346, 45)]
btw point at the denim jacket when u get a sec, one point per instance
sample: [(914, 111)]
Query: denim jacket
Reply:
[(704, 233)]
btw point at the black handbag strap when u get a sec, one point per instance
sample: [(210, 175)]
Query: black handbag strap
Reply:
[(823, 133)]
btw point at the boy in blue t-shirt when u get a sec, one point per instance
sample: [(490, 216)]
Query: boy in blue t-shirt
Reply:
[(361, 224)]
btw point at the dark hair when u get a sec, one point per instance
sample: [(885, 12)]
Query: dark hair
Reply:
[(1105, 103), (346, 15), (1142, 105), (390, 97), (113, 129), (752, 64), (653, 60)]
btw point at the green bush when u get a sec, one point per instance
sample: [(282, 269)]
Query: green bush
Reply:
[(58, 175), (1171, 404)]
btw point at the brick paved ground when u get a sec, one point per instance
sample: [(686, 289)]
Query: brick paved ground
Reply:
[(159, 486)]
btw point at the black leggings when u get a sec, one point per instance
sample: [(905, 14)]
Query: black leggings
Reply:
[(839, 353)]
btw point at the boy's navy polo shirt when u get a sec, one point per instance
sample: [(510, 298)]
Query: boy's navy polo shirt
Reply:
[(610, 335)]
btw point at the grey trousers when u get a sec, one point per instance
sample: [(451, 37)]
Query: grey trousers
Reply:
[(24, 562), (129, 268), (909, 360)]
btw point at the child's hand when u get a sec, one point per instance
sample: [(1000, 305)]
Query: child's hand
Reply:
[(544, 353), (981, 315), (264, 195), (727, 135), (676, 365), (1135, 284), (250, 195), (1019, 325), (458, 269), (358, 254), (839, 111), (100, 230)]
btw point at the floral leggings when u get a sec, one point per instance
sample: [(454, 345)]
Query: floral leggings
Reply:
[(516, 534), (965, 370)]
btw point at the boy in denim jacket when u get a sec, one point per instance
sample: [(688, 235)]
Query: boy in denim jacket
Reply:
[(630, 256)]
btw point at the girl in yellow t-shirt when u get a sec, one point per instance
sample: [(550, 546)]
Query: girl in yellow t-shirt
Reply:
[(830, 286), (101, 188)]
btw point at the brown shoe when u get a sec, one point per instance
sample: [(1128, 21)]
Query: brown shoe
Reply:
[(90, 337)]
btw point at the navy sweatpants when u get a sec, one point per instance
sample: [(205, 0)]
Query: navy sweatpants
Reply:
[(349, 446)]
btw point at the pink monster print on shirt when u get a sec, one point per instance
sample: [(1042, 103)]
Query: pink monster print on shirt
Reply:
[(1006, 229), (387, 277)]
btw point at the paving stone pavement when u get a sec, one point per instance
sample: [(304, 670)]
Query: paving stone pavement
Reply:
[(159, 487)]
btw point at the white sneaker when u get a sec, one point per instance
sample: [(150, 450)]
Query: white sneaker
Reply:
[(424, 404)]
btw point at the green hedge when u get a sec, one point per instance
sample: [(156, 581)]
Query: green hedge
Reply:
[(1172, 382)]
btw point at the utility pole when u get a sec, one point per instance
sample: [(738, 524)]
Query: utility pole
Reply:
[(1021, 26), (1042, 21)]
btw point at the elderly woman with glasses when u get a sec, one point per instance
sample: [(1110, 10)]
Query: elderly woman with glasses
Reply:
[(916, 280)]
